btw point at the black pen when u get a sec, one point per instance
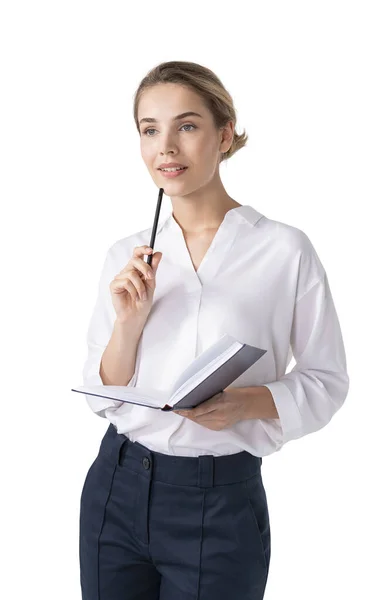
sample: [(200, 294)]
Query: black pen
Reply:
[(154, 228)]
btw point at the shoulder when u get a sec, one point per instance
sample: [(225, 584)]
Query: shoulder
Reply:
[(295, 252), (287, 237)]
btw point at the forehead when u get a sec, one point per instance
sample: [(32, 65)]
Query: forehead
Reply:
[(164, 101)]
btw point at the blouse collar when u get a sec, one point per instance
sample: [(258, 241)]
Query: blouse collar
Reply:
[(244, 213)]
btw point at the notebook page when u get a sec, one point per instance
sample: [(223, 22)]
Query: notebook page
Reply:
[(125, 394), (196, 379), (204, 359)]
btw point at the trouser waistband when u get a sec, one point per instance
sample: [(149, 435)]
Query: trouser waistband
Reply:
[(201, 471)]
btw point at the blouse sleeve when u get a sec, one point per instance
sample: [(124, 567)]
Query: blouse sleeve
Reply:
[(309, 395), (98, 335)]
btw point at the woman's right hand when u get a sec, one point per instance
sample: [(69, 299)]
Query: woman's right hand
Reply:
[(129, 287)]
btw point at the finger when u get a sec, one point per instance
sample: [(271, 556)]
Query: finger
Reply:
[(204, 411), (124, 284), (156, 259), (139, 265), (135, 278), (212, 423), (140, 251), (184, 413), (193, 414), (207, 406), (141, 289)]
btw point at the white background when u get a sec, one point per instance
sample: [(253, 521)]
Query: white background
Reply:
[(306, 79)]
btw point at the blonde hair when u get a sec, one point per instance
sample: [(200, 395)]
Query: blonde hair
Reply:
[(206, 84)]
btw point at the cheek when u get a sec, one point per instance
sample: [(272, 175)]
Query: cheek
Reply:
[(146, 154), (207, 152), (201, 156)]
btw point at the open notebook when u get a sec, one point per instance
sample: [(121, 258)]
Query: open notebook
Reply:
[(208, 374)]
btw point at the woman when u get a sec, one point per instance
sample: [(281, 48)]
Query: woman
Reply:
[(174, 504)]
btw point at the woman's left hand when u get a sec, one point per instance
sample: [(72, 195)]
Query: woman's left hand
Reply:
[(221, 411)]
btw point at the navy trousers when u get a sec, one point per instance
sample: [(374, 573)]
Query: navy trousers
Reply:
[(160, 527)]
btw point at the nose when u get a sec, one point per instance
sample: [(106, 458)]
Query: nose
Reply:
[(167, 149), (168, 144)]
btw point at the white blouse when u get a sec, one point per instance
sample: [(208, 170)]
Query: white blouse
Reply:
[(260, 281)]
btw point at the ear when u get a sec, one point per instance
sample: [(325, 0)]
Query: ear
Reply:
[(228, 131)]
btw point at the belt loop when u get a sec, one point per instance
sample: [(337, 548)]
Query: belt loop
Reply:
[(206, 473), (121, 444)]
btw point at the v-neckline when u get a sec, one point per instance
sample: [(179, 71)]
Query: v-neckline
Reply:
[(207, 268), (206, 251)]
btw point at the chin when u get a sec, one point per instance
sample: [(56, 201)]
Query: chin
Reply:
[(172, 184)]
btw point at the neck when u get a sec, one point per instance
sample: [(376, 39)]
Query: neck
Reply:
[(202, 211)]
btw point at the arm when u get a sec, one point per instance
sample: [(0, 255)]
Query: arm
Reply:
[(112, 345), (119, 358), (307, 397), (259, 403)]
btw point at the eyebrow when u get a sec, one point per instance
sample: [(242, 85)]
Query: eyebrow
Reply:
[(189, 113)]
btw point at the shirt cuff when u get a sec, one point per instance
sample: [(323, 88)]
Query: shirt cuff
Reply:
[(91, 376), (289, 414)]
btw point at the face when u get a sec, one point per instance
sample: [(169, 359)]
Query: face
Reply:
[(192, 141)]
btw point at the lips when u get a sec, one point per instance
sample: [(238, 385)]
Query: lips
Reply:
[(168, 168), (173, 174), (171, 166)]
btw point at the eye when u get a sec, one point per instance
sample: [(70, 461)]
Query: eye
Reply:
[(149, 129), (188, 125), (185, 125)]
